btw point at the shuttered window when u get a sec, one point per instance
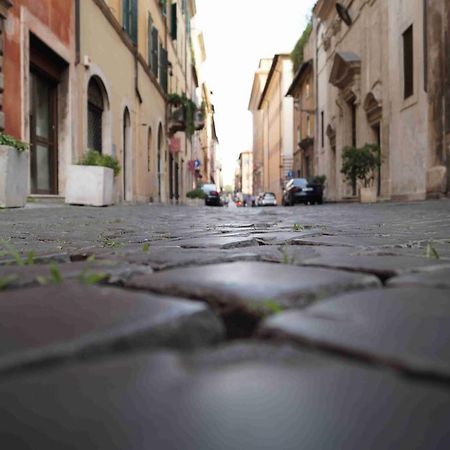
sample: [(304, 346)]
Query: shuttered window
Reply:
[(154, 51), (408, 62), (173, 22), (149, 39), (130, 18), (163, 76)]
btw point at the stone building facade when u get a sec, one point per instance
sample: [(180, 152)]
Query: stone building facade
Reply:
[(437, 19), (373, 86)]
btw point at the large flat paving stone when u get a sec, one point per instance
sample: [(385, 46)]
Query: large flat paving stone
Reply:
[(106, 271), (52, 322), (248, 288), (439, 279), (158, 401), (404, 328), (382, 266)]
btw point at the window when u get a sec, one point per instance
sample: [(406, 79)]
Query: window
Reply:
[(307, 89), (408, 62), (322, 128), (353, 111), (149, 149), (173, 21), (154, 51), (129, 18), (95, 115), (163, 70), (308, 125)]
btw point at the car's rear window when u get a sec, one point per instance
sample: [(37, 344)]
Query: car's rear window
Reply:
[(300, 182), (269, 195)]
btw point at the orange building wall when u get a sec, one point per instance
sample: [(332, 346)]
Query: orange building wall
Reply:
[(58, 17)]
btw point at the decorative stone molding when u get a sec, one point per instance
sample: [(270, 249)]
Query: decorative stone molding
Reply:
[(346, 69), (373, 108), (331, 134), (326, 39), (336, 26)]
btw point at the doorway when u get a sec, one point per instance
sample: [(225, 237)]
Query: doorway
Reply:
[(127, 172), (377, 132), (43, 135)]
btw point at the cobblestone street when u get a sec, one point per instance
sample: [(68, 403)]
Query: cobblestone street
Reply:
[(138, 327)]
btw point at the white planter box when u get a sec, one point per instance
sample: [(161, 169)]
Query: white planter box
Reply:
[(368, 195), (196, 202), (13, 177), (89, 185)]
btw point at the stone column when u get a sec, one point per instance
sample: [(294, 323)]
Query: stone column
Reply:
[(4, 6)]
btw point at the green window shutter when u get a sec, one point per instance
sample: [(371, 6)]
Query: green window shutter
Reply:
[(173, 22), (126, 15), (163, 75), (134, 21), (149, 40), (155, 41)]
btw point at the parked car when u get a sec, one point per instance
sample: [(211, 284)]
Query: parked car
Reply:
[(299, 190), (212, 196), (268, 199)]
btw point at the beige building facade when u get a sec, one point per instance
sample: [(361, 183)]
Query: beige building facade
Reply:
[(107, 68), (275, 125), (245, 171), (302, 90), (259, 82)]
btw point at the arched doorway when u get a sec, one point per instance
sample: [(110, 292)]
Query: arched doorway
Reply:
[(127, 157)]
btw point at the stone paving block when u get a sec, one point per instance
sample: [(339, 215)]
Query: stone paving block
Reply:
[(250, 288), (223, 242), (404, 328), (439, 279), (382, 266), (105, 271), (158, 401), (53, 322)]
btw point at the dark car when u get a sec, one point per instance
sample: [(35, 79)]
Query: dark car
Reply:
[(212, 196), (299, 190)]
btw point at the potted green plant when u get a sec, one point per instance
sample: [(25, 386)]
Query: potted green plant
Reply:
[(91, 181), (196, 197), (361, 164), (14, 163)]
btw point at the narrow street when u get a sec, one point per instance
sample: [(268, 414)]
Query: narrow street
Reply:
[(240, 328)]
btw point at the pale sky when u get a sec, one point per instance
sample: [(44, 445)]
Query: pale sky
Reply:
[(238, 33)]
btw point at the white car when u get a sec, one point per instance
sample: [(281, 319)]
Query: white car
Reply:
[(268, 199)]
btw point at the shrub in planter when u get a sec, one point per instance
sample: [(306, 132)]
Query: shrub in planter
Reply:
[(196, 193), (360, 164), (14, 163), (91, 181), (318, 180)]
